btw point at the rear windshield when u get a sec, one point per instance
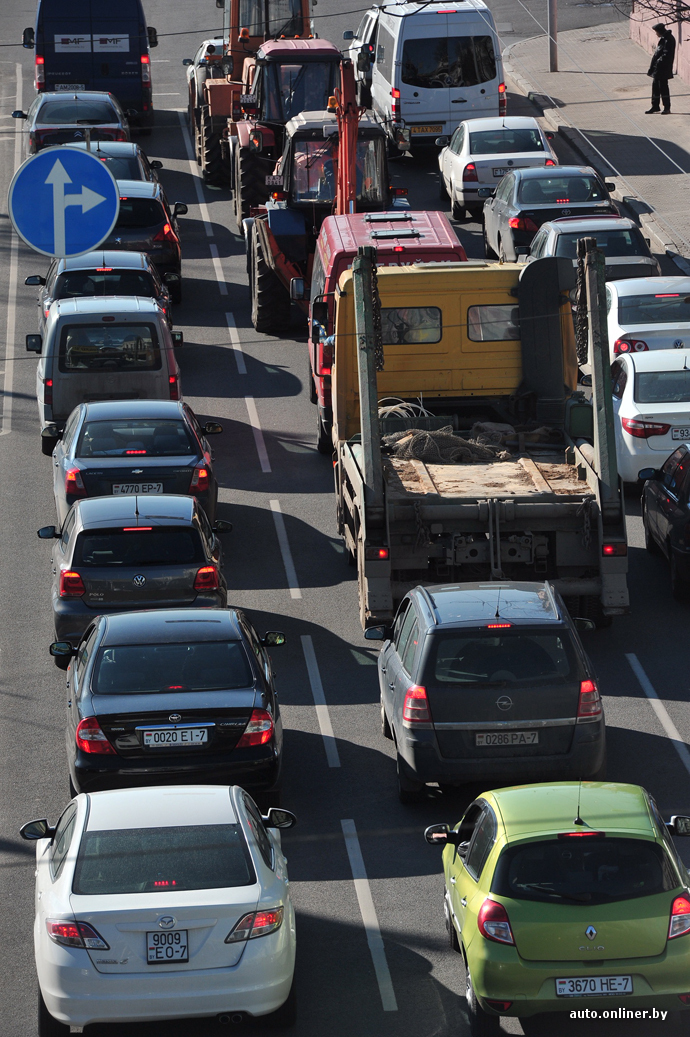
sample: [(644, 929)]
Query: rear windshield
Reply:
[(291, 89), (313, 171), (124, 168), (119, 547), (437, 64), (591, 870), (79, 283), (663, 387), (104, 348), (508, 658), (148, 669), (504, 142), (665, 308), (158, 860), (560, 190), (136, 437), (70, 113), (139, 213), (611, 243)]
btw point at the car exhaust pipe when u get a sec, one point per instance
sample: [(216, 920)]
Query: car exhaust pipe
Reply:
[(227, 1018)]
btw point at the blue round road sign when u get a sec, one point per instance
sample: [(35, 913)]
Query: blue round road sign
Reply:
[(63, 202)]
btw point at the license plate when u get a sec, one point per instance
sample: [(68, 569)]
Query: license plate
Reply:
[(681, 433), (499, 171), (70, 86), (137, 487), (427, 129), (507, 738), (594, 986), (161, 739), (166, 947)]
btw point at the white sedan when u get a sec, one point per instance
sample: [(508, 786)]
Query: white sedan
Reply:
[(481, 152), (162, 903), (651, 405), (647, 313)]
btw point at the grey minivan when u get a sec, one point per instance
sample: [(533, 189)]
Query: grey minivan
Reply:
[(106, 348), (488, 682)]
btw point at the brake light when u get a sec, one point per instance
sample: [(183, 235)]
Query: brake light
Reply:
[(395, 94), (679, 924), (75, 934), (416, 705), (549, 162), (71, 584), (644, 429), (48, 390), (376, 554), (200, 480), (398, 248), (206, 578), (629, 345), (523, 223), (145, 69), (502, 99), (166, 234), (614, 550), (137, 529), (325, 357), (469, 173), (258, 731), (259, 923), (40, 73), (104, 269), (493, 922), (119, 135), (74, 484), (174, 387), (498, 626), (91, 739), (589, 706), (589, 834)]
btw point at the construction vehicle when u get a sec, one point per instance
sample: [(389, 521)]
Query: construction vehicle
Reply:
[(482, 360)]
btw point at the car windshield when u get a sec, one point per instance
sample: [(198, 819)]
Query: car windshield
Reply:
[(313, 177), (291, 89), (662, 308), (100, 348), (591, 870), (77, 283), (137, 547), (447, 61), (70, 113), (140, 213), (560, 190), (505, 141), (662, 387), (488, 657), (611, 242), (154, 437), (150, 669), (123, 167), (162, 860)]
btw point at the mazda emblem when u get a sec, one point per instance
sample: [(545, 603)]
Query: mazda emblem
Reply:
[(504, 702), (175, 717), (166, 922), (590, 932), (566, 212), (139, 580)]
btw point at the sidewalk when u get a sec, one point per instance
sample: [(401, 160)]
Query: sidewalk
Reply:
[(597, 101)]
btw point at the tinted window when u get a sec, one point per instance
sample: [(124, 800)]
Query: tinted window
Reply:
[(507, 658), (401, 642), (481, 844), (62, 839), (411, 324), (148, 669), (259, 831), (493, 323), (448, 62), (385, 53), (69, 113), (504, 191), (662, 387), (611, 243), (505, 142), (104, 348), (560, 190), (678, 482), (158, 860), (78, 283), (619, 379), (85, 652), (291, 89), (136, 437), (411, 648), (68, 527), (665, 308), (590, 871), (140, 213), (159, 546), (124, 167)]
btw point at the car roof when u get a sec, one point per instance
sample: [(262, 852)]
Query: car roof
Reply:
[(146, 510), (171, 626), (118, 409), (139, 188), (79, 95), (110, 259), (399, 9), (111, 148), (166, 806), (432, 231), (660, 360), (651, 286), (545, 809), (569, 224), (217, 41), (273, 50), (506, 122), (122, 305), (470, 604), (533, 172)]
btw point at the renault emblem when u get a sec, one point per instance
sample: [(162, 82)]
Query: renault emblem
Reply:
[(504, 702), (139, 580), (166, 922), (590, 932)]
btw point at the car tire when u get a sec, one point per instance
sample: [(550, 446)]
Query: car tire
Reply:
[(313, 395), (48, 445), (488, 251), (477, 213), (324, 443), (385, 726), (409, 790), (481, 1023), (457, 210), (270, 299), (649, 542), (502, 255), (453, 941), (442, 193), (680, 588), (48, 1025), (285, 1017)]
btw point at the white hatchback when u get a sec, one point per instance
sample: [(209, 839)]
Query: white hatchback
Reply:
[(647, 313), (162, 903), (651, 405)]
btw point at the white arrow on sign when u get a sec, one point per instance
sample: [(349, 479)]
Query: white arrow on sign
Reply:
[(88, 199)]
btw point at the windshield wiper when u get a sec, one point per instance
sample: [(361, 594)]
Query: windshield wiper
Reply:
[(541, 887)]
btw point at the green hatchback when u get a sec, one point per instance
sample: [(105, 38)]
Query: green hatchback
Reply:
[(567, 897)]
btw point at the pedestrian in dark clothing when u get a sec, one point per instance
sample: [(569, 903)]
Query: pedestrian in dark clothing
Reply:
[(661, 69)]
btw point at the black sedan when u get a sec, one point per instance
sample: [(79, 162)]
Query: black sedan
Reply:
[(666, 516), (173, 696), (526, 198), (65, 118), (134, 446), (125, 159)]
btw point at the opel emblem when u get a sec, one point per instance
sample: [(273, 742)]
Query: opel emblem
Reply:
[(174, 717), (679, 344), (590, 932), (139, 580), (504, 702), (566, 212), (166, 922)]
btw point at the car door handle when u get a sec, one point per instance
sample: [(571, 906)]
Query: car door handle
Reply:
[(459, 100), (453, 880), (391, 685), (383, 669), (463, 902)]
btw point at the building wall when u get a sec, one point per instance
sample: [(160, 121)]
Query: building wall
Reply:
[(641, 22)]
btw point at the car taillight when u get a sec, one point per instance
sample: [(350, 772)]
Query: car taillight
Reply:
[(40, 73), (325, 356), (494, 923), (74, 484), (629, 345), (91, 739), (644, 429), (71, 584), (395, 94), (614, 550), (258, 731), (75, 934), (206, 579), (174, 386), (589, 705), (256, 923), (200, 480), (48, 392), (145, 68), (469, 173), (416, 705), (166, 233), (549, 162), (502, 99), (523, 223), (679, 924), (119, 135)]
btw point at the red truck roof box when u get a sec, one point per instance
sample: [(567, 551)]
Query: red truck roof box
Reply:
[(417, 233), (273, 49)]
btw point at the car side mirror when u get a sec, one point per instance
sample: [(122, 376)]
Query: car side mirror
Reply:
[(679, 825), (62, 650), (273, 639), (131, 113), (35, 280), (188, 61), (156, 164), (177, 339), (584, 625), (48, 533), (170, 278), (441, 142), (279, 818), (364, 60), (19, 114), (380, 633), (51, 432), (647, 473), (28, 39), (221, 526), (212, 428), (348, 34), (33, 830), (522, 250), (34, 343), (442, 835), (297, 289), (609, 186), (152, 35), (180, 209), (550, 136)]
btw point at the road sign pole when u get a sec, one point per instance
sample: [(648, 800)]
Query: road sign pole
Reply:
[(552, 31)]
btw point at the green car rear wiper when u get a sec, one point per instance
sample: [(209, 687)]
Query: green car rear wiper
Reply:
[(541, 887)]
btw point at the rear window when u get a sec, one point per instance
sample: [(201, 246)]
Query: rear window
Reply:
[(158, 546), (504, 142), (611, 242), (663, 387), (403, 324), (140, 213), (105, 348), (591, 870), (511, 657), (80, 113), (437, 64), (560, 190), (124, 168), (664, 308), (314, 175), (135, 437), (158, 860), (493, 323), (76, 284), (148, 669)]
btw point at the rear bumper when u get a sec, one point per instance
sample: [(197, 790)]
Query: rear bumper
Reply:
[(72, 616)]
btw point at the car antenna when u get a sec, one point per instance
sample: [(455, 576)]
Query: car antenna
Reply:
[(578, 820), (498, 602)]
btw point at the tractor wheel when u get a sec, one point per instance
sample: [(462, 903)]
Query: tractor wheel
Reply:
[(270, 299), (211, 160), (249, 187)]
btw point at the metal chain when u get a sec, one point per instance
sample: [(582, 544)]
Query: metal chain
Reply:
[(423, 533), (581, 316), (378, 330), (586, 510)]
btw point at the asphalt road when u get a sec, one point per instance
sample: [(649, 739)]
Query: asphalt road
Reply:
[(277, 490)]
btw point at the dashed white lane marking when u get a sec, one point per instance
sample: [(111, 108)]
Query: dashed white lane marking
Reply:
[(235, 340), (369, 917), (322, 714), (194, 170), (220, 276), (258, 434), (660, 710), (284, 545), (10, 346)]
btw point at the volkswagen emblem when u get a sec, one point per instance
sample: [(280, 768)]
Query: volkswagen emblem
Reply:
[(590, 932), (566, 212), (139, 580), (175, 717), (679, 344), (166, 922), (504, 702)]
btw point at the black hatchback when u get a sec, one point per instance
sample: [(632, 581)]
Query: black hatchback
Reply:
[(666, 516), (172, 696)]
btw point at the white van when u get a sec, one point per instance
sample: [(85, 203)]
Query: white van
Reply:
[(435, 65)]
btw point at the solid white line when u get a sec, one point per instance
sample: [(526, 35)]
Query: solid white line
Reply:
[(284, 545), (235, 339), (369, 917), (10, 346), (193, 168), (322, 714), (220, 277), (660, 710), (258, 434)]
